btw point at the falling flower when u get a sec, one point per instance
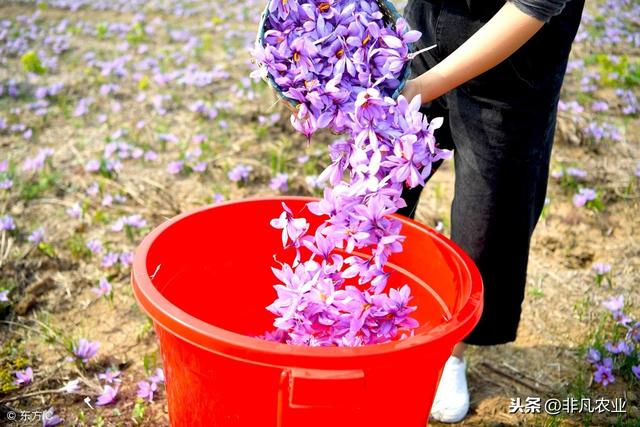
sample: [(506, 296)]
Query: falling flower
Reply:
[(85, 350), (71, 386), (24, 377), (108, 395)]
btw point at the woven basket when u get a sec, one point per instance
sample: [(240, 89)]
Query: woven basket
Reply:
[(390, 14)]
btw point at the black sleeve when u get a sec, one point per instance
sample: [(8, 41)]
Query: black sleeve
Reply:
[(543, 10)]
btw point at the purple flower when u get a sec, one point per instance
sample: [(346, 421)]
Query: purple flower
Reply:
[(601, 268), (85, 350), (50, 419), (110, 259), (279, 182), (175, 167), (4, 295), (24, 377), (6, 184), (636, 371), (103, 288), (158, 377), (92, 165), (108, 395), (146, 390), (603, 373), (584, 195), (37, 236), (95, 246), (7, 223), (593, 356), (74, 211), (218, 198), (619, 347), (614, 304), (126, 258), (110, 376), (71, 386), (239, 173)]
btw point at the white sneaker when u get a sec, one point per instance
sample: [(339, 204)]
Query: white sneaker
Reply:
[(451, 402)]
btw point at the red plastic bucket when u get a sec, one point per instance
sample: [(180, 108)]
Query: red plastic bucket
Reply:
[(204, 279)]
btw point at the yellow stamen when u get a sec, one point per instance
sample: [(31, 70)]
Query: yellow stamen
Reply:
[(296, 56), (340, 53), (366, 40), (324, 7)]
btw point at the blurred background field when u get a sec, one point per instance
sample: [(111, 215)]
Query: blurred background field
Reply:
[(118, 114)]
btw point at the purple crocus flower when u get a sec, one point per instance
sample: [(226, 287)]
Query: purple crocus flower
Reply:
[(593, 356), (584, 195), (24, 377), (614, 304), (110, 376), (603, 373), (50, 419), (85, 350), (601, 268), (108, 395), (71, 386), (37, 236), (7, 223), (95, 246), (103, 288), (146, 390), (636, 371), (239, 173), (619, 347), (74, 211), (92, 165), (280, 182), (110, 259), (175, 167)]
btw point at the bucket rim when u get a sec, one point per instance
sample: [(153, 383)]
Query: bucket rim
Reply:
[(218, 340)]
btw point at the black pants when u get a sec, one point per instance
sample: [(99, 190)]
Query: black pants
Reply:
[(501, 127)]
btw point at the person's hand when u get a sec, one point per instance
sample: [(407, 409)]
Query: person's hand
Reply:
[(411, 89)]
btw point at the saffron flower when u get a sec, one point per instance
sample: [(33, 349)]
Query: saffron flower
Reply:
[(71, 386), (50, 419), (104, 288), (108, 395), (85, 350), (24, 377)]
